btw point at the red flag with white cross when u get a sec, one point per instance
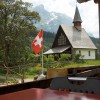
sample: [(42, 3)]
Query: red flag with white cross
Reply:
[(37, 44)]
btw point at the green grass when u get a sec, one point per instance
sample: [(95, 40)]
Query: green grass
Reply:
[(31, 71), (93, 62), (30, 76), (86, 63)]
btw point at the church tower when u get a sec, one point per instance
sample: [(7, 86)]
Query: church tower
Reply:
[(77, 20)]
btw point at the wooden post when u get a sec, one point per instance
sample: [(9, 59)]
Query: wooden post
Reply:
[(99, 24), (23, 75), (7, 69)]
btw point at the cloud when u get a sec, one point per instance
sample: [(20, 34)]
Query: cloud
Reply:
[(89, 15), (61, 6), (88, 11)]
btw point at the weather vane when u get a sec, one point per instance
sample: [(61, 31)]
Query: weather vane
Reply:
[(96, 1)]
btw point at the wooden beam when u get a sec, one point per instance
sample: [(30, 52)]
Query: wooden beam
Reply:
[(81, 1), (99, 19), (97, 1)]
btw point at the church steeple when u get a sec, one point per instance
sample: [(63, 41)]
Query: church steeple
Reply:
[(77, 19)]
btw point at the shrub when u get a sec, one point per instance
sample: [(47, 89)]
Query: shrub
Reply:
[(34, 58), (45, 59), (79, 58), (33, 71), (64, 57), (50, 58)]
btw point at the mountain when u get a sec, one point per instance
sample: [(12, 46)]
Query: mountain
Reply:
[(50, 21)]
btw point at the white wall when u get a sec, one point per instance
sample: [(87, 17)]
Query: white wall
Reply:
[(85, 52)]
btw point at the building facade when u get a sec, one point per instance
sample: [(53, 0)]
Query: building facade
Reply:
[(73, 40)]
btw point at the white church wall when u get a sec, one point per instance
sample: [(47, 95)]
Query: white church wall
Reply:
[(88, 53)]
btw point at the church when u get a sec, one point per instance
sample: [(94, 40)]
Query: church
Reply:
[(73, 40)]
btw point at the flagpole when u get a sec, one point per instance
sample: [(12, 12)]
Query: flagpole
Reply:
[(42, 61), (37, 46), (42, 56), (42, 76)]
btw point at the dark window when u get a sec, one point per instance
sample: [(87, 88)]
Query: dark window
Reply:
[(79, 51), (61, 40), (89, 53)]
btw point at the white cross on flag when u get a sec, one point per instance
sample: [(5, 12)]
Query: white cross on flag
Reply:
[(37, 44)]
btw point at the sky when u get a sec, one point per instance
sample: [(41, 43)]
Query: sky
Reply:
[(88, 12)]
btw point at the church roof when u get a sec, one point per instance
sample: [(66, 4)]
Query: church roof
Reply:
[(78, 39), (57, 50), (77, 17)]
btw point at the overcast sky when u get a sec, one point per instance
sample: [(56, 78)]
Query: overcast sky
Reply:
[(88, 12)]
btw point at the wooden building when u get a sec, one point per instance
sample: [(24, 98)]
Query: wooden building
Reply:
[(73, 40)]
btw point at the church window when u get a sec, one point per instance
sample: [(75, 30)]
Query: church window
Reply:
[(61, 40), (89, 53)]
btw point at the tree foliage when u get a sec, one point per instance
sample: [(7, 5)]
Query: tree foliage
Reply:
[(65, 57), (16, 21), (79, 58)]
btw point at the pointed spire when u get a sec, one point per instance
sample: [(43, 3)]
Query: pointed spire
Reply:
[(77, 20), (77, 17)]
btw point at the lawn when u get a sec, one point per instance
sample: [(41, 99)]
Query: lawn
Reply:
[(31, 71), (86, 63)]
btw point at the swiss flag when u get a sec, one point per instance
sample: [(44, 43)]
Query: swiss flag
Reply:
[(37, 44)]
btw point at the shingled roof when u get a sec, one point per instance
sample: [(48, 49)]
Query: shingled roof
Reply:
[(78, 39), (57, 50)]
